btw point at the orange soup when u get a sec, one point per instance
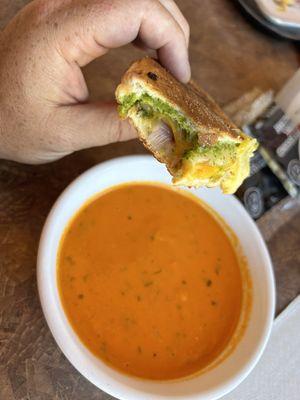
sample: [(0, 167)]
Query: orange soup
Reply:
[(150, 281)]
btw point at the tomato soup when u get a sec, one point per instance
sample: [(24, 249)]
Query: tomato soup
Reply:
[(150, 281)]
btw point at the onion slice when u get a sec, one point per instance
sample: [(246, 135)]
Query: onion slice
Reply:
[(161, 139)]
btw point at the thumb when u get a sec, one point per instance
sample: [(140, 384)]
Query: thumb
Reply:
[(87, 125)]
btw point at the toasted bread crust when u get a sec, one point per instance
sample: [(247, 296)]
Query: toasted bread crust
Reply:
[(190, 99)]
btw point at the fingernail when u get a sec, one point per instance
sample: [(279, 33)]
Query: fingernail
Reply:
[(185, 71)]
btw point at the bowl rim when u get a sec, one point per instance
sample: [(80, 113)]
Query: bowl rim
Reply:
[(43, 288)]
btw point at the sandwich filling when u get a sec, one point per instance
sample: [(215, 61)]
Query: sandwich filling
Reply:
[(176, 141)]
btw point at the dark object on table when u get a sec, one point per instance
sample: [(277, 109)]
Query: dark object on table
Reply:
[(279, 138), (262, 190), (275, 168), (252, 9)]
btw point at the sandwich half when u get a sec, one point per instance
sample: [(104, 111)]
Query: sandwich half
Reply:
[(184, 128)]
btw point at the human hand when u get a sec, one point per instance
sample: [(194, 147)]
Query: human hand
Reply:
[(44, 108)]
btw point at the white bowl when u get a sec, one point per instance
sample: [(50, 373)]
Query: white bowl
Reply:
[(211, 384)]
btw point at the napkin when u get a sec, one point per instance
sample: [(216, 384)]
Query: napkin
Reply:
[(277, 374)]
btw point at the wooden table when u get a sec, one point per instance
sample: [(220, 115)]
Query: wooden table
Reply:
[(229, 56)]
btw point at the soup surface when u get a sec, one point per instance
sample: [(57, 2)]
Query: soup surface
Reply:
[(150, 281)]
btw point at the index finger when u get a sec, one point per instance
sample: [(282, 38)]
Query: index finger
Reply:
[(173, 9), (92, 27), (161, 31)]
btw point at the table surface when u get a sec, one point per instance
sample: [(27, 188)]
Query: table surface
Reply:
[(229, 56)]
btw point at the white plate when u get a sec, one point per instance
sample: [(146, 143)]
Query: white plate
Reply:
[(210, 385), (251, 7), (288, 18)]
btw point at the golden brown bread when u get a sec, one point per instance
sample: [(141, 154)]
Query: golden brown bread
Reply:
[(191, 99), (184, 128)]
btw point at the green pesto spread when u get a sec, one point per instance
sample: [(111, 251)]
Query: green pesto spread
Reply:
[(219, 154), (149, 106)]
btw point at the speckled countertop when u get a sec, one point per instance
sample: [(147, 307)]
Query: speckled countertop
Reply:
[(229, 56)]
